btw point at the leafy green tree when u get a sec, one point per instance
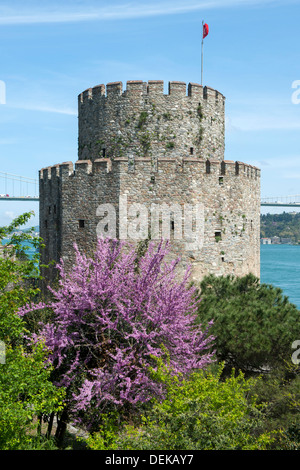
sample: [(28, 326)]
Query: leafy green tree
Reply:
[(279, 390), (26, 391), (254, 324), (19, 276), (201, 413)]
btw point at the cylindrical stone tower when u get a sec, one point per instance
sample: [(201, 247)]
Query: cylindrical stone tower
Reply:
[(156, 162), (143, 121)]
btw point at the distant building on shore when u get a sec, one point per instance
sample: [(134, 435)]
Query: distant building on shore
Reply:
[(265, 241), (286, 241), (276, 241)]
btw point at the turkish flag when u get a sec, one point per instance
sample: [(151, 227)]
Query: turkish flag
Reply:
[(205, 30)]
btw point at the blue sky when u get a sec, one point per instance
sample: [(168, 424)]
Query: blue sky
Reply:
[(52, 50)]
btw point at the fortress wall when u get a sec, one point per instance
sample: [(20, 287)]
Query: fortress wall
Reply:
[(227, 191), (50, 215)]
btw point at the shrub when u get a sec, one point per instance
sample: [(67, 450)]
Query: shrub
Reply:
[(254, 324), (201, 413), (26, 392)]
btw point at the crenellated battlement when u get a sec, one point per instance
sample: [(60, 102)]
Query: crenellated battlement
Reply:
[(188, 165), (152, 88)]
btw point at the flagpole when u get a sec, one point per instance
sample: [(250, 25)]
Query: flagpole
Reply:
[(202, 55)]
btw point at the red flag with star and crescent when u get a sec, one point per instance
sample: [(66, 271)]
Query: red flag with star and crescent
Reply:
[(205, 30)]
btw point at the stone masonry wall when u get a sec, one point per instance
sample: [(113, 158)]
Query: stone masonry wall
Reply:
[(142, 121), (228, 192), (150, 149)]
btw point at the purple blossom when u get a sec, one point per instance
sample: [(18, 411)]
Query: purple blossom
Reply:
[(111, 320)]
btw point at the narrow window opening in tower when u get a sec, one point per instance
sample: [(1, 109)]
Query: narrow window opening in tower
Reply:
[(221, 180), (103, 153), (81, 223), (207, 165), (46, 223), (152, 179), (172, 225), (192, 150), (218, 235), (223, 259), (49, 210)]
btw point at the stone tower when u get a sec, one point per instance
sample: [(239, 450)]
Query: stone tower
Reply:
[(157, 161)]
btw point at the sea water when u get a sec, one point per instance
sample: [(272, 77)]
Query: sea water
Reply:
[(280, 266)]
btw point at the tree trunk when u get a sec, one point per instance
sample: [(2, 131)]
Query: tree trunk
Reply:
[(39, 426), (50, 424), (61, 428)]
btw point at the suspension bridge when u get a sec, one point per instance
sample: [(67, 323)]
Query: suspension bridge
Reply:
[(281, 201), (18, 188), (21, 188)]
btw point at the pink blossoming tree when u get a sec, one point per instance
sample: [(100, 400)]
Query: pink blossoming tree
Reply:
[(111, 320)]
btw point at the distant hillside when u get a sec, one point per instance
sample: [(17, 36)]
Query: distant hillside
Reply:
[(35, 229), (286, 226)]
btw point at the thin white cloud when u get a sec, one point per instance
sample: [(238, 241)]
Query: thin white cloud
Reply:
[(280, 163), (292, 175), (44, 17), (10, 215), (45, 109), (6, 141), (260, 122), (59, 14)]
